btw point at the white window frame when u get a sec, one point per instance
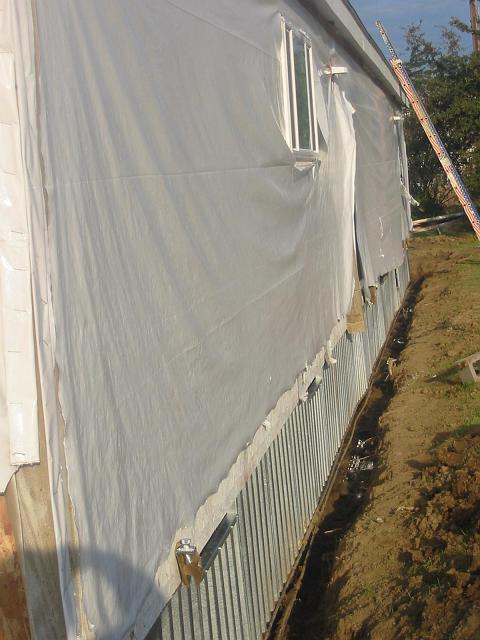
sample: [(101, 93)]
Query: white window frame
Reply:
[(290, 93)]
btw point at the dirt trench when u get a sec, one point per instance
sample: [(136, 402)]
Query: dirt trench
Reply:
[(397, 553)]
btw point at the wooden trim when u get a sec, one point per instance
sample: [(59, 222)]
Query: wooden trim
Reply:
[(13, 606)]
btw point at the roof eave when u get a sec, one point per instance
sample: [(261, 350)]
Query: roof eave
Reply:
[(341, 19)]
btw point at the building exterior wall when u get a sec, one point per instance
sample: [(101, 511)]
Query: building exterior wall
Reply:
[(263, 534), (187, 269)]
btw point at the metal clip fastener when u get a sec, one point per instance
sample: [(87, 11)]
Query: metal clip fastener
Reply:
[(189, 562)]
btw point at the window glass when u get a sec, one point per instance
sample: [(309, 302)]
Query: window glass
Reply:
[(292, 99), (300, 102), (313, 115), (301, 91)]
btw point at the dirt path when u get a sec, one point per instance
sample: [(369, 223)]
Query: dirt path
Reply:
[(409, 565)]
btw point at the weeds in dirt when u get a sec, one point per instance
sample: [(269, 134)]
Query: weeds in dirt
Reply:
[(467, 428), (367, 591), (469, 271)]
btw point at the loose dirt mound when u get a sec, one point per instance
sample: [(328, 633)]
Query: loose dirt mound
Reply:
[(409, 565), (441, 562)]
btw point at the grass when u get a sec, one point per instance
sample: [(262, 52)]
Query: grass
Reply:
[(465, 429), (367, 591), (463, 240), (425, 234), (472, 422), (469, 271)]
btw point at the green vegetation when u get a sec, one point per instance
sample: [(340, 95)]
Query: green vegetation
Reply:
[(448, 82), (367, 591)]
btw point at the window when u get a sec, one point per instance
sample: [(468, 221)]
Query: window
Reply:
[(298, 73)]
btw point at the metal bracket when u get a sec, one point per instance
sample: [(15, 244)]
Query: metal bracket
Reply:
[(311, 389), (334, 71), (221, 533), (189, 562)]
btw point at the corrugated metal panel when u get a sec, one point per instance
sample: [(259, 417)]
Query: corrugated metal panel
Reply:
[(245, 578)]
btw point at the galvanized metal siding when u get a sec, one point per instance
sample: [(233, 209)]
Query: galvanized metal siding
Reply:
[(271, 514)]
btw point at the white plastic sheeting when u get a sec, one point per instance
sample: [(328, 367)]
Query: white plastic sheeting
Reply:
[(188, 266), (407, 224), (18, 394)]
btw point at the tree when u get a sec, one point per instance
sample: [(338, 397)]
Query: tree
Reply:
[(448, 82)]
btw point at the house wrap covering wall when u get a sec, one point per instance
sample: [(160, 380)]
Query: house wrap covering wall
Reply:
[(185, 265)]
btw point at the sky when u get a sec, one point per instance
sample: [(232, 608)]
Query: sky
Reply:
[(396, 14)]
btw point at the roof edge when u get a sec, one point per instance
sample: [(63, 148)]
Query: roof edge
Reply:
[(341, 20)]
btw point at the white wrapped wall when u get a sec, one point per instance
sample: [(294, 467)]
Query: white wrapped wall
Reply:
[(188, 265)]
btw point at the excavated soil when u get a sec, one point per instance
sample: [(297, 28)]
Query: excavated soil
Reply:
[(404, 562)]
